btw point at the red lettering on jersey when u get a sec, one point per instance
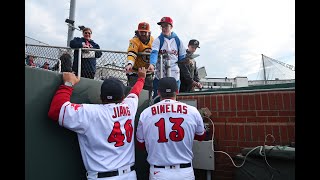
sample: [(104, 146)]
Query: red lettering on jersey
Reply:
[(128, 112), (153, 110), (161, 109), (120, 111), (167, 108), (179, 109), (172, 109), (185, 110), (76, 106), (115, 112)]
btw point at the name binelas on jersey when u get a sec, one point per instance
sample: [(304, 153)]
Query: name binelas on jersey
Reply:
[(121, 111), (165, 108)]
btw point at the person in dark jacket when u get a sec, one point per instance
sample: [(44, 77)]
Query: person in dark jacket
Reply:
[(188, 69), (66, 63), (88, 59)]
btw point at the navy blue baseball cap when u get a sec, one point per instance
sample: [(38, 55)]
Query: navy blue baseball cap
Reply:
[(112, 89), (168, 85)]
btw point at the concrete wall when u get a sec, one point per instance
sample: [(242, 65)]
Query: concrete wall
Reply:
[(51, 151)]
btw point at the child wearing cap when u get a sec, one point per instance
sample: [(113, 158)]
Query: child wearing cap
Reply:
[(188, 69), (172, 50)]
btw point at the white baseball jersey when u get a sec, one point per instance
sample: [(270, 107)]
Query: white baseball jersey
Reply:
[(168, 129), (105, 132), (169, 47)]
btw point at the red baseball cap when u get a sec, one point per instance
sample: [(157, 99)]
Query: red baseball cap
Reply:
[(143, 26), (165, 20)]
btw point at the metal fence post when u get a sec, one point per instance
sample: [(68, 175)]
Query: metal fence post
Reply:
[(79, 63)]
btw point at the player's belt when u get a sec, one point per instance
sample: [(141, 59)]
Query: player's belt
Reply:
[(172, 167), (113, 173)]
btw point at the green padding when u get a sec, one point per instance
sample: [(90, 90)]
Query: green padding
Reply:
[(51, 151)]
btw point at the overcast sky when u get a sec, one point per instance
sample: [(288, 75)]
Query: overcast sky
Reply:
[(232, 33)]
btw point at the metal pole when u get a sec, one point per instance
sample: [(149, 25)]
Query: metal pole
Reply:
[(208, 175), (168, 66), (264, 71), (71, 17), (161, 61), (79, 63)]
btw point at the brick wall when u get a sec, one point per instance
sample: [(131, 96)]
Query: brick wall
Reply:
[(243, 120)]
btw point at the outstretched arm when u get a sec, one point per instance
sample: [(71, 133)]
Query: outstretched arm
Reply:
[(136, 89), (62, 95)]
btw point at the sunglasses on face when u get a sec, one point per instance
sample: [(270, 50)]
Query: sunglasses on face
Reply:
[(87, 33)]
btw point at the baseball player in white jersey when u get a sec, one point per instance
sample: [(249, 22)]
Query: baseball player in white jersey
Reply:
[(167, 130), (105, 131)]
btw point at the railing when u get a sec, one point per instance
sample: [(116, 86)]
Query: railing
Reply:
[(111, 63)]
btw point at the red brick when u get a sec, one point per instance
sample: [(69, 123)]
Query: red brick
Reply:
[(233, 102), (284, 135), (245, 102), (293, 119), (286, 101), (228, 132), (214, 114), (220, 102), (293, 100), (258, 102), (207, 101), (262, 119), (228, 143), (227, 114), (248, 144), (252, 105), (200, 100), (247, 130), (272, 101), (255, 132), (237, 119), (241, 132), (219, 119), (269, 131), (287, 113), (278, 101), (246, 113), (267, 113), (239, 102), (291, 133), (217, 132), (251, 119), (235, 132), (222, 132), (226, 102), (265, 101), (276, 133), (275, 119), (213, 102), (262, 132)]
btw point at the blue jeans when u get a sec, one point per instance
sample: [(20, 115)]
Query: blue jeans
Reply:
[(155, 87)]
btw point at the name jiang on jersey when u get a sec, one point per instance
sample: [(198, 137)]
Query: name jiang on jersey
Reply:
[(121, 111), (165, 108)]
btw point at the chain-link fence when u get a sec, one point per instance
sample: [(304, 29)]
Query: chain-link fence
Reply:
[(110, 63)]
